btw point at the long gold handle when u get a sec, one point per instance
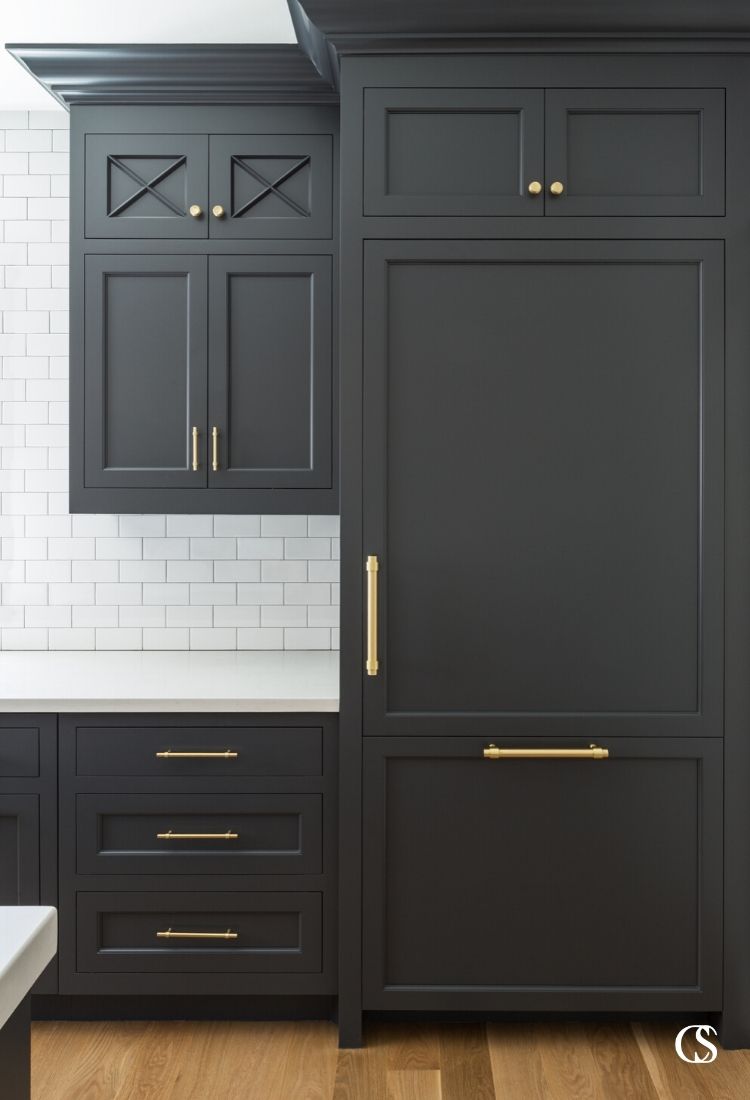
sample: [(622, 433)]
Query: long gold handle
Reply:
[(593, 752), (169, 835), (168, 934), (195, 434), (371, 568), (214, 448), (169, 754)]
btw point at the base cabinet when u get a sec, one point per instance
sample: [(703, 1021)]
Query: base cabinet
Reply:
[(542, 884)]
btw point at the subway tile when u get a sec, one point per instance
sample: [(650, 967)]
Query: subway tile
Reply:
[(143, 526), (118, 638), (336, 638), (236, 616), (274, 526), (13, 208), (13, 163), (260, 593), (25, 366), (213, 594), (14, 120), (23, 141), (24, 548), (12, 616), (48, 120), (153, 571), (140, 615), (336, 549), (24, 639), (165, 548), (13, 343), (236, 525), (75, 638), (24, 593), (168, 638), (48, 254), (24, 504), (25, 321), (96, 571), (212, 548), (260, 548), (236, 571), (46, 298), (48, 527), (260, 639), (307, 593), (73, 593), (189, 616), (24, 275), (323, 616), (307, 548), (37, 232), (323, 571), (23, 458), (46, 389), (24, 187), (60, 274), (51, 343), (95, 525), (336, 594), (47, 571), (181, 526), (58, 504), (71, 548), (119, 593), (307, 638), (118, 548), (93, 616), (13, 435), (213, 638), (46, 481), (48, 164), (13, 389), (191, 570), (283, 616), (58, 616), (15, 298), (13, 254), (166, 593), (60, 186), (61, 141), (12, 481)]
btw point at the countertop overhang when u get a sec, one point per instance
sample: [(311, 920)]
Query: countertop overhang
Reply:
[(143, 681), (28, 942)]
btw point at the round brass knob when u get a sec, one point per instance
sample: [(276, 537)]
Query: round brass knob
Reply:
[(556, 188), (195, 210), (535, 187), (217, 211)]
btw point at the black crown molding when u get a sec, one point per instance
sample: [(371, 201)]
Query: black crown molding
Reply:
[(164, 74)]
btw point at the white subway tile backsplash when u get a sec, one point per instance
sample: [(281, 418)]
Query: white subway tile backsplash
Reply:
[(107, 581)]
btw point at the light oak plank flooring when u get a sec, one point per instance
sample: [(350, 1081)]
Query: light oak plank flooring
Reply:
[(402, 1061)]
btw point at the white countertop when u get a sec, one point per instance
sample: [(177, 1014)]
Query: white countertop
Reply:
[(28, 941), (174, 681)]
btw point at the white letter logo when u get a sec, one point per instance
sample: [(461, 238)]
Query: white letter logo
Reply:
[(701, 1031)]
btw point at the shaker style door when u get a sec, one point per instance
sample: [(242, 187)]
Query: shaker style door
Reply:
[(270, 374), (145, 371), (146, 185), (543, 487), (624, 151), (19, 849), (542, 883), (271, 185), (468, 152)]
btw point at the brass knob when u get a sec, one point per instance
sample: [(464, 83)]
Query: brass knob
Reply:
[(195, 210), (535, 187), (218, 211), (556, 188)]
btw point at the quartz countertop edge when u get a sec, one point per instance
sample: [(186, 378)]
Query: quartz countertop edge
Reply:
[(148, 681), (28, 942)]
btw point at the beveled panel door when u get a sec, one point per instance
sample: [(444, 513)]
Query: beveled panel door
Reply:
[(543, 486)]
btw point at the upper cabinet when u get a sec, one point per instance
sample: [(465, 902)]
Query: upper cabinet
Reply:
[(223, 187), (555, 152)]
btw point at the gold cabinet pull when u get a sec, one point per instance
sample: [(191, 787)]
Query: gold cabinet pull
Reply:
[(593, 752), (535, 187), (556, 188), (169, 835), (170, 754), (214, 448), (218, 210), (168, 934), (195, 210), (195, 434), (371, 568)]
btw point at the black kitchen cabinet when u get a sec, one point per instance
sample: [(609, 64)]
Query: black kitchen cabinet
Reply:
[(224, 381), (551, 884)]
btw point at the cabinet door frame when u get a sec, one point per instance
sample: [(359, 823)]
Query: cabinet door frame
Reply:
[(707, 719), (98, 223), (527, 102), (98, 268), (24, 808), (707, 995), (708, 103), (319, 472)]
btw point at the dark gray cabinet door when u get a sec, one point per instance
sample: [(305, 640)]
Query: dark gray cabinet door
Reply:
[(19, 849), (453, 151), (542, 884), (145, 370), (270, 371), (635, 151), (144, 185), (543, 485), (271, 185)]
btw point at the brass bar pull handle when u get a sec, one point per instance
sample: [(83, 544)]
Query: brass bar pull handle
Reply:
[(169, 754), (593, 752), (195, 433), (371, 568), (169, 835), (168, 934), (214, 448)]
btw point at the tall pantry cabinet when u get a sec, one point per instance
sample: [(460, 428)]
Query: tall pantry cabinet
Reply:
[(543, 271)]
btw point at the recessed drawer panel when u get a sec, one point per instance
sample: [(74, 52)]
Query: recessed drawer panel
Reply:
[(199, 933), (19, 752), (182, 834), (198, 751)]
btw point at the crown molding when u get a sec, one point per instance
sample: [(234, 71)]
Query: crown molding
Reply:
[(164, 74)]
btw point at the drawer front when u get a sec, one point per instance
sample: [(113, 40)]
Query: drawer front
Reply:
[(183, 834), (156, 750), (270, 933), (578, 883), (19, 752), (625, 151), (462, 152)]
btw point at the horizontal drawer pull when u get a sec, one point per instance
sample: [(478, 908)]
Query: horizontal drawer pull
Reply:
[(170, 935), (170, 754), (169, 835), (593, 752)]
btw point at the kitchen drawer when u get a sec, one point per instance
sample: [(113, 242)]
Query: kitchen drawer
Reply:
[(269, 834), (19, 752), (279, 933), (133, 749)]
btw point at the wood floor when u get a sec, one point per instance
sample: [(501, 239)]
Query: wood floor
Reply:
[(300, 1061)]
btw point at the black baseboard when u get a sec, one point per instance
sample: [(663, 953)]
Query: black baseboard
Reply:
[(182, 1008)]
